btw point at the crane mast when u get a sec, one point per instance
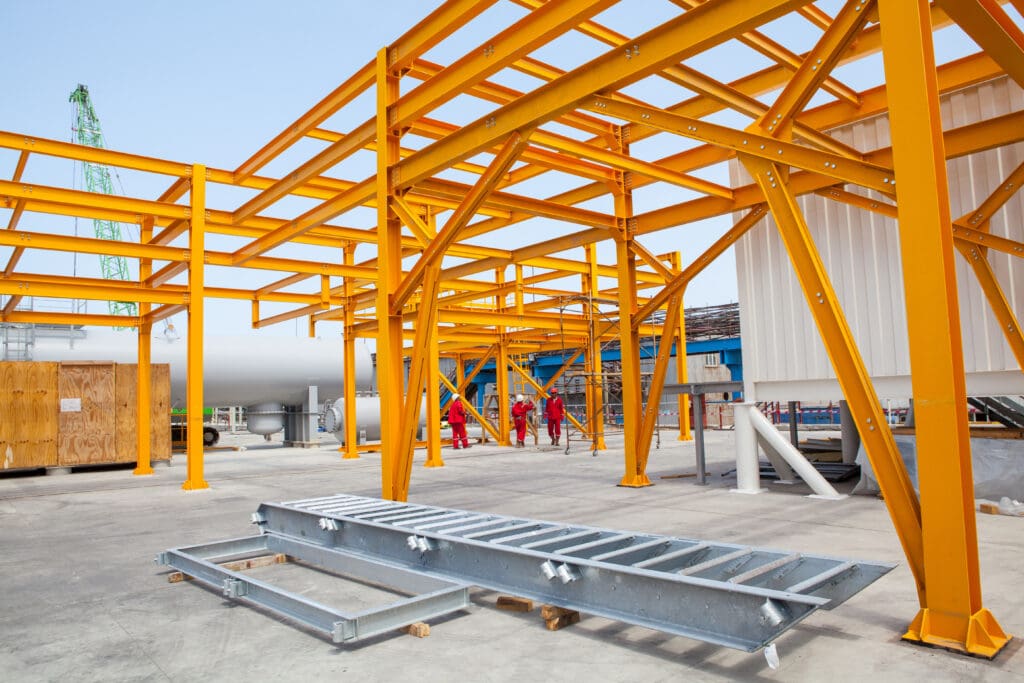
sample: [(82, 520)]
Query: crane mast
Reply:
[(87, 132)]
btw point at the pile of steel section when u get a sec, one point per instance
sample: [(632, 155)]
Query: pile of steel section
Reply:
[(726, 594)]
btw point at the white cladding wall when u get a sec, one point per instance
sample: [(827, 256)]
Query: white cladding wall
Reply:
[(783, 356)]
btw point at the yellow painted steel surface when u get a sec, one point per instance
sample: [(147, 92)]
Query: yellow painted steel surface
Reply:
[(422, 292)]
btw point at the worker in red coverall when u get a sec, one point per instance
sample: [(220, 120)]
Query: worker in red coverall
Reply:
[(457, 421), (519, 411), (554, 411)]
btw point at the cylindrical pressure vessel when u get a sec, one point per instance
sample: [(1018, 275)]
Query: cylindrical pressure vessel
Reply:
[(367, 418), (237, 370)]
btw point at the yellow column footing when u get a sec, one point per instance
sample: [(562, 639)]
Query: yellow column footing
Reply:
[(142, 471), (635, 481), (190, 485), (983, 638)]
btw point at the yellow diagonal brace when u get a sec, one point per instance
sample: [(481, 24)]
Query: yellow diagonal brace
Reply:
[(679, 282), (816, 67), (651, 260), (419, 229), (977, 258), (460, 217), (900, 497), (994, 201)]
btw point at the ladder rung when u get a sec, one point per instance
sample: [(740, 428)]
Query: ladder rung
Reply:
[(514, 527), (695, 548), (437, 525), (559, 539), (714, 562), (491, 521), (628, 549), (818, 579), (527, 534), (765, 568), (435, 516), (592, 544)]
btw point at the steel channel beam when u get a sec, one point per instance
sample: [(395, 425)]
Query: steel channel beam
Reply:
[(737, 615), (429, 596)]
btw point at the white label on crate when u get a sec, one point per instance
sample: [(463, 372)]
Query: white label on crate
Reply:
[(71, 405)]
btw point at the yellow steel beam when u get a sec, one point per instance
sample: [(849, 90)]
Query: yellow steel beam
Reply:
[(103, 202), (19, 286), (334, 154), (952, 614), (163, 312), (990, 27), (518, 40), (316, 216), (651, 260), (778, 53), (670, 42), (194, 375), (624, 162), (826, 163), (47, 318), (994, 201)]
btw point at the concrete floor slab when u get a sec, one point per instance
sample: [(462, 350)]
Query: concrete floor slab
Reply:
[(82, 599)]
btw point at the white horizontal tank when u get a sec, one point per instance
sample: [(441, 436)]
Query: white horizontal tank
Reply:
[(237, 370)]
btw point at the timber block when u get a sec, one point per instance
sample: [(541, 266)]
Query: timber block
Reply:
[(514, 604), (556, 618), (419, 629), (989, 508)]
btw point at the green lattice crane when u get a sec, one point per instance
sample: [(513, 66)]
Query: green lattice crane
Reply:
[(87, 132)]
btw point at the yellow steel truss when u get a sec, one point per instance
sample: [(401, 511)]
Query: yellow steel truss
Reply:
[(426, 292)]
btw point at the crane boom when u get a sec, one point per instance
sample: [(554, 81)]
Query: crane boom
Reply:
[(87, 132)]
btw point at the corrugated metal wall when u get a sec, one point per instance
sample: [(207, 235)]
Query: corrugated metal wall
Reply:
[(783, 356)]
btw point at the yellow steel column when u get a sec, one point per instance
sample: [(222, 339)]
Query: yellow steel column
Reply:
[(351, 447), (433, 383), (682, 370), (390, 366), (143, 424), (501, 369), (629, 339), (594, 385), (194, 385), (952, 614)]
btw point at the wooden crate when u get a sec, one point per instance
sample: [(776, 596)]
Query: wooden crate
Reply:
[(28, 415), (125, 392), (87, 413)]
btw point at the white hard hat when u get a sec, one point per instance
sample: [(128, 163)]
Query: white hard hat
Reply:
[(455, 397), (519, 398)]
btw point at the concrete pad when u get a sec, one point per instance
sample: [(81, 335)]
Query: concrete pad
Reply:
[(82, 599)]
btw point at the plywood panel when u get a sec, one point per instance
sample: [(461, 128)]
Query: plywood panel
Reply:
[(28, 415), (86, 435), (126, 384)]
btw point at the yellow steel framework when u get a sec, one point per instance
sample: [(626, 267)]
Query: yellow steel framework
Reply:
[(432, 275)]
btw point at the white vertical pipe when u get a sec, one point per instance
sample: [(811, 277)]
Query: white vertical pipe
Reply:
[(748, 469), (795, 458)]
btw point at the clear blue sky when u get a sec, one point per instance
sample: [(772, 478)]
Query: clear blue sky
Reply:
[(211, 82)]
